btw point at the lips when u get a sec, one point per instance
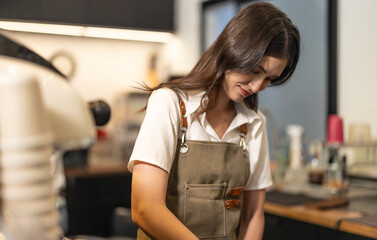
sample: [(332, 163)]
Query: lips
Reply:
[(244, 92)]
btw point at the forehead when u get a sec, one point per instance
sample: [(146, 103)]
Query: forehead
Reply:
[(273, 65)]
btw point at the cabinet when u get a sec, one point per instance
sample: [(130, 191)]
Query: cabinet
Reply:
[(157, 15), (277, 227), (91, 202)]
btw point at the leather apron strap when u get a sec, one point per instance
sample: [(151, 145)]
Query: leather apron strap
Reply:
[(183, 128)]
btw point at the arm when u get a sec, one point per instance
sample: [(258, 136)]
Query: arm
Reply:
[(252, 215), (149, 211)]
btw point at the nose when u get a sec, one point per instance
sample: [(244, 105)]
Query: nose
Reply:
[(257, 85)]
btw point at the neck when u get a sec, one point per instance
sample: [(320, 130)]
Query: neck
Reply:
[(220, 113), (223, 102)]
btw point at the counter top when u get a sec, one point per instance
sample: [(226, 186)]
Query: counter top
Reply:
[(343, 219), (98, 169), (364, 226)]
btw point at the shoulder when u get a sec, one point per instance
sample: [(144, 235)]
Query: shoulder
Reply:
[(164, 101), (164, 95), (164, 98)]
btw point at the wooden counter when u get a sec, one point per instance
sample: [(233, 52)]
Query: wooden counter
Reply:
[(98, 169), (358, 229), (336, 218)]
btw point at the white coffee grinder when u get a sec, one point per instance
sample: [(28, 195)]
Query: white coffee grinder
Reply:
[(39, 113)]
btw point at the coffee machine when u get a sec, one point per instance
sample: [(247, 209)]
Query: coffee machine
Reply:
[(40, 113)]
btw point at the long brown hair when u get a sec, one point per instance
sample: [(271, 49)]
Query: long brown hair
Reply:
[(257, 30)]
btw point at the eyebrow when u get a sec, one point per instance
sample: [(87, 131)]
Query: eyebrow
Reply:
[(264, 70)]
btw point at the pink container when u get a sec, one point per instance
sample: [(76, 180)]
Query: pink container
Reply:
[(334, 129)]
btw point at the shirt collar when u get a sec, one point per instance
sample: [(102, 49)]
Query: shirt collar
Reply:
[(248, 116), (244, 114), (193, 101)]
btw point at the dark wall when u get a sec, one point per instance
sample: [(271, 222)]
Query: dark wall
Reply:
[(137, 14)]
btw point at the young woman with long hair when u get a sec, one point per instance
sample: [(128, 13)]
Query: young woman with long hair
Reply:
[(200, 163)]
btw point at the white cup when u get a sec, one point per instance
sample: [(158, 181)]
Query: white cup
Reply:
[(26, 158), (53, 233), (37, 227), (23, 118), (359, 132), (37, 206), (27, 191), (26, 175)]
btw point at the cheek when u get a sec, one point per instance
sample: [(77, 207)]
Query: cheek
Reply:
[(264, 86), (227, 84)]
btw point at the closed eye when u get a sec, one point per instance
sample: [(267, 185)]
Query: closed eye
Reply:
[(274, 81)]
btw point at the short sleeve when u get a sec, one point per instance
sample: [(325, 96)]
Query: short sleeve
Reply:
[(259, 158), (157, 139)]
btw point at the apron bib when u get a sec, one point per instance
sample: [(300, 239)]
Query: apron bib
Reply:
[(206, 184)]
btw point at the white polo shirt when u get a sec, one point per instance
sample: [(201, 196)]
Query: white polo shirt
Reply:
[(159, 133)]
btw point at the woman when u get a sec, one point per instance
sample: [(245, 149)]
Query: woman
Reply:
[(200, 163)]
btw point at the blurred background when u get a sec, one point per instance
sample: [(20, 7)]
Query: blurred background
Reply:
[(106, 48), (106, 68)]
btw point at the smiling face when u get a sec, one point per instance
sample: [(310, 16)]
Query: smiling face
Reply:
[(237, 85)]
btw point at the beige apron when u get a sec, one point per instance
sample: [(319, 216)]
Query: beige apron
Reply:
[(205, 185)]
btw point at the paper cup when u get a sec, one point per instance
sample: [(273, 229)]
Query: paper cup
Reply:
[(26, 158), (38, 227), (26, 175), (27, 191), (53, 233), (334, 129), (23, 118), (359, 132), (32, 207)]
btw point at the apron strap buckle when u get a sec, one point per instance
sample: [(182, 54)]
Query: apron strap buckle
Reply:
[(243, 129), (183, 147)]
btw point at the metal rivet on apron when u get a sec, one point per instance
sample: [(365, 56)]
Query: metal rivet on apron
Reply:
[(187, 187), (183, 148)]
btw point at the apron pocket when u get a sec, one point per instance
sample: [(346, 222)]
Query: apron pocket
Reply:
[(204, 210)]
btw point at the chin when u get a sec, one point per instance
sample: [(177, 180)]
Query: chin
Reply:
[(238, 99)]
